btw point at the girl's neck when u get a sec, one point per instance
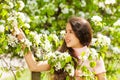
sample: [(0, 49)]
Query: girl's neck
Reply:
[(78, 51)]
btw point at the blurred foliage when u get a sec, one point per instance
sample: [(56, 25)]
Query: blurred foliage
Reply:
[(44, 21)]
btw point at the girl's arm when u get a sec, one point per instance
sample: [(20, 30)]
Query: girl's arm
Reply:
[(101, 76), (31, 62), (34, 65)]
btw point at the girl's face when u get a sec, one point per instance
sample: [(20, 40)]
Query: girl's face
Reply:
[(70, 38)]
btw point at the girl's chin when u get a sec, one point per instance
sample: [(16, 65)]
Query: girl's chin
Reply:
[(68, 45)]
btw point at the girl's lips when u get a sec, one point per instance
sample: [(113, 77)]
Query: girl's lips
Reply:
[(67, 40)]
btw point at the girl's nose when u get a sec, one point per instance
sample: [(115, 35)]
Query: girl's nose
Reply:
[(66, 35)]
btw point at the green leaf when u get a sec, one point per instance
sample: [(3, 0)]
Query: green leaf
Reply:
[(52, 70), (82, 54), (90, 57), (18, 49), (26, 50), (84, 69), (67, 78), (1, 51), (4, 12), (27, 31), (92, 64), (68, 59)]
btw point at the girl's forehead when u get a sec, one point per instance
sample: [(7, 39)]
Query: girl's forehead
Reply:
[(68, 26)]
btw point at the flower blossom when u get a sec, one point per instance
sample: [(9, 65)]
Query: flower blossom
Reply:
[(117, 23), (46, 0), (11, 5), (116, 50), (70, 69), (12, 40), (27, 43), (103, 40), (101, 5), (2, 28), (58, 66), (21, 3), (65, 10), (110, 1), (96, 19)]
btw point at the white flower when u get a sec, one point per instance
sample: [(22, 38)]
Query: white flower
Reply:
[(27, 43), (47, 46), (61, 5), (38, 52), (93, 53), (2, 28), (21, 3), (62, 32), (21, 53), (56, 9), (11, 5), (65, 10), (12, 20), (27, 25), (70, 69), (49, 55), (24, 17), (93, 41), (33, 33), (85, 57), (117, 23), (21, 16), (37, 38), (82, 14), (116, 50), (2, 21), (12, 40), (96, 19), (110, 1), (56, 60), (72, 10), (58, 66), (6, 47), (103, 40), (108, 10), (16, 62), (27, 19), (44, 19), (45, 32), (46, 0), (55, 37), (101, 5), (83, 3)]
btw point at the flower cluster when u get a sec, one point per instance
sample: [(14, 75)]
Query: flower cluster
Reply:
[(101, 40), (12, 40), (61, 61)]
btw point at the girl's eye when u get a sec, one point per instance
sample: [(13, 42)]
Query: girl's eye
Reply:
[(71, 31), (65, 31)]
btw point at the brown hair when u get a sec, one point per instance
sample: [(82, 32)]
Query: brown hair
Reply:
[(82, 30)]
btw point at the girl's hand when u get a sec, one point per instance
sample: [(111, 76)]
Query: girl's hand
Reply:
[(19, 34)]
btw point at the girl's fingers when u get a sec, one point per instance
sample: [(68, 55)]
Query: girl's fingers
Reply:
[(21, 31), (19, 34)]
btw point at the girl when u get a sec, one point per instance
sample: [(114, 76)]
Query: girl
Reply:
[(77, 40)]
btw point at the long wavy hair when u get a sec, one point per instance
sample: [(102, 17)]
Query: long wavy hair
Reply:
[(83, 32)]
